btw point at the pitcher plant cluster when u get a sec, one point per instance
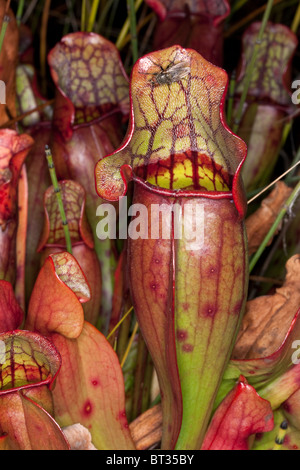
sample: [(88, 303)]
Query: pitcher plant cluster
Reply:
[(145, 300)]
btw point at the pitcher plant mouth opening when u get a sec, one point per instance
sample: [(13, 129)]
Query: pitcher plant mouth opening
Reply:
[(178, 142)]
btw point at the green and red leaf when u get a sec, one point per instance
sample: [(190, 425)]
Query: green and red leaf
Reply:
[(241, 414), (88, 73), (91, 385), (261, 372), (272, 74), (13, 151), (28, 97)]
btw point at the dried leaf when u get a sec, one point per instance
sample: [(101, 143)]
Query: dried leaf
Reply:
[(268, 318), (259, 223)]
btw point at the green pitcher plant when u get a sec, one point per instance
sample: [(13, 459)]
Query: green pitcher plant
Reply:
[(184, 162)]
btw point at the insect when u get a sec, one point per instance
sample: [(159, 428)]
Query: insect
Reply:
[(172, 73)]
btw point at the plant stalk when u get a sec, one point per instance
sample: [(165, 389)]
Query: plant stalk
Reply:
[(5, 22), (93, 14), (57, 190), (296, 20), (19, 13)]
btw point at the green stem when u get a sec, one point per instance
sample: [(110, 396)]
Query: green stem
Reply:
[(93, 14), (296, 20), (120, 40), (133, 32), (19, 13), (83, 15), (289, 202), (5, 22), (251, 66), (57, 190)]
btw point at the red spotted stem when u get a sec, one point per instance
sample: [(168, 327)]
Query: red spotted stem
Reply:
[(251, 66), (57, 190)]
